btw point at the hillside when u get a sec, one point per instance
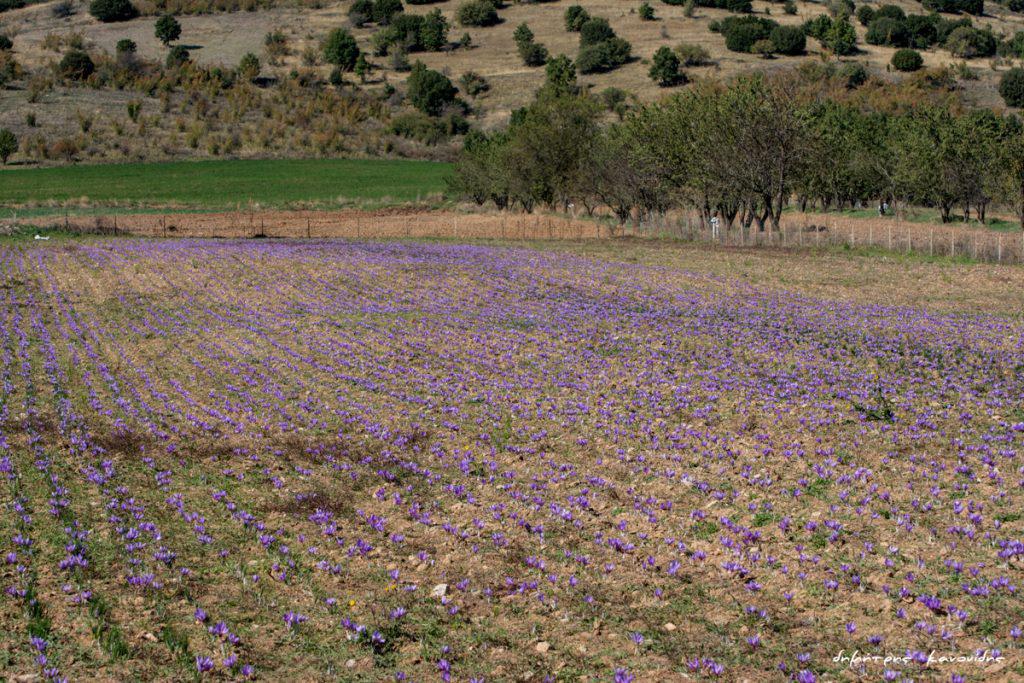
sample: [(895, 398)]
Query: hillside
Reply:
[(220, 39)]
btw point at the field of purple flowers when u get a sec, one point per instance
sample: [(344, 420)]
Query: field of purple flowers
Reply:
[(372, 461)]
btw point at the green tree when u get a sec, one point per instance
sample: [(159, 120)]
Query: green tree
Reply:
[(429, 91), (167, 29), (362, 67), (433, 34), (841, 37), (477, 13), (646, 12), (575, 17), (341, 50), (665, 68), (8, 145), (560, 78)]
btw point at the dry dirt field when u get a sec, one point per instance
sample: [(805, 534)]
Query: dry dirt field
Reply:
[(224, 38)]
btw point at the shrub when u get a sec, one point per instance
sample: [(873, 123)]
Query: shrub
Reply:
[(692, 54), (76, 65), (477, 13), (5, 43), (907, 60), (763, 47), (429, 91), (742, 32), (386, 10), (340, 49), (249, 67), (788, 40), (177, 56), (887, 31), (167, 29), (533, 54), (126, 46), (789, 7), (109, 11), (921, 31), (602, 57), (522, 35), (595, 30), (360, 12), (891, 11), (8, 144), (855, 74), (665, 68), (1011, 87), (865, 13), (474, 84), (975, 7), (575, 17), (968, 42), (646, 11), (63, 9)]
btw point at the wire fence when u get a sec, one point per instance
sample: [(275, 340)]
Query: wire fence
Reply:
[(801, 230), (797, 230)]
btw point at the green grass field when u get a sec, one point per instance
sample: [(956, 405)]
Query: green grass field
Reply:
[(226, 184)]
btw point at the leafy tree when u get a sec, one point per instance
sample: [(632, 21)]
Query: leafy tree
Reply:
[(665, 68), (906, 59), (341, 50), (167, 29), (433, 34), (109, 11), (560, 77), (8, 145), (76, 65), (429, 91), (841, 38), (1011, 87)]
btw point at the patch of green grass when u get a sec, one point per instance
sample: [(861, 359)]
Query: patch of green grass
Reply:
[(224, 184)]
